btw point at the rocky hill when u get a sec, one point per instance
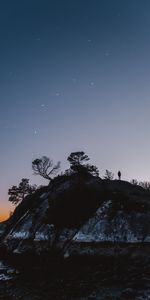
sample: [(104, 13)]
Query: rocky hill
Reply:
[(79, 216)]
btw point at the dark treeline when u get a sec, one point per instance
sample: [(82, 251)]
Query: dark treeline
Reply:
[(44, 167), (144, 184)]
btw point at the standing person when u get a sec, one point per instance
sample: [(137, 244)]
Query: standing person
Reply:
[(119, 175)]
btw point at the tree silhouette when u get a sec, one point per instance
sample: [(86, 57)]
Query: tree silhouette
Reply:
[(17, 194), (45, 168), (93, 170), (145, 185), (108, 175), (134, 181), (14, 196), (77, 164), (77, 158)]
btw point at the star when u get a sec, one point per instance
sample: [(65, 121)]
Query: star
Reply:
[(91, 83), (107, 53)]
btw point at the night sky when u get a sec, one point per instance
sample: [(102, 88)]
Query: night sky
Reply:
[(74, 75)]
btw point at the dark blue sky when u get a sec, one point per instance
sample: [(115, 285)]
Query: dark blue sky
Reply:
[(74, 75)]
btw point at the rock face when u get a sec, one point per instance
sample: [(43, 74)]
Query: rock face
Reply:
[(79, 217)]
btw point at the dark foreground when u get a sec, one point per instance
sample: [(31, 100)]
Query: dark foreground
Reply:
[(109, 278)]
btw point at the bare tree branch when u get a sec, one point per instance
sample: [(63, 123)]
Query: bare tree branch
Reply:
[(44, 167)]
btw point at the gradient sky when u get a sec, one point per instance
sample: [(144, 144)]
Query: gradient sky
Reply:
[(74, 75)]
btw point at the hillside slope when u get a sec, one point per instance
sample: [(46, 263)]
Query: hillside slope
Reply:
[(79, 216)]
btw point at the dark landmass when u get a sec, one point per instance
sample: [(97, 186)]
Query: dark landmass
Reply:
[(80, 216)]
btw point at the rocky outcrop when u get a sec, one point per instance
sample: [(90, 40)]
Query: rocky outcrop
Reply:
[(115, 216)]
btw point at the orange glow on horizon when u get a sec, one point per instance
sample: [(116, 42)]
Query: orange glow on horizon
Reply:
[(4, 214), (5, 210), (4, 217)]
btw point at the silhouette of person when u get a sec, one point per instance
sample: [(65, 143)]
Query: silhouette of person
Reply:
[(119, 175)]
